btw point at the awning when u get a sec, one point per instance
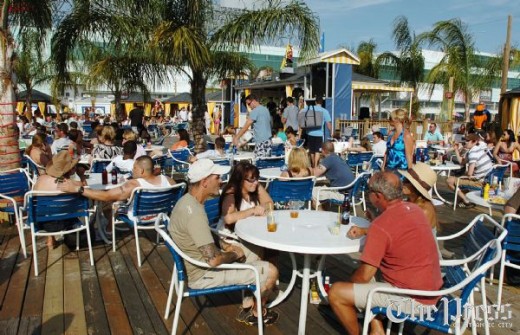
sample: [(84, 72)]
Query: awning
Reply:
[(379, 88), (340, 56)]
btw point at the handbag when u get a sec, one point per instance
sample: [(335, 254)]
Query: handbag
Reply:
[(310, 119)]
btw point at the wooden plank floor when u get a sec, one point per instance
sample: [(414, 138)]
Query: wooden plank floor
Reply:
[(117, 297)]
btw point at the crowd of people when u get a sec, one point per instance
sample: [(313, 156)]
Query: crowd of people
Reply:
[(402, 189)]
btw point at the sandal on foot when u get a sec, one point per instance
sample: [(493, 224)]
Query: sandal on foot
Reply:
[(269, 317)]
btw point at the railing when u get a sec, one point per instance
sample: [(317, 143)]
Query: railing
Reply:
[(364, 126)]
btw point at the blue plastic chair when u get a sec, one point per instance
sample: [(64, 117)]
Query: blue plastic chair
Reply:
[(277, 150), (212, 208), (291, 189), (383, 131), (14, 184), (33, 169), (448, 307), (143, 207), (355, 188), (424, 152), (510, 249), (269, 162), (99, 165), (44, 207), (87, 129), (180, 160), (179, 280)]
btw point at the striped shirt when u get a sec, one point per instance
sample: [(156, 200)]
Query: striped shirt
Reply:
[(482, 161)]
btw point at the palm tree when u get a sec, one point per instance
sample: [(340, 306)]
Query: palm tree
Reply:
[(460, 61), (367, 65), (34, 15), (213, 50), (408, 62)]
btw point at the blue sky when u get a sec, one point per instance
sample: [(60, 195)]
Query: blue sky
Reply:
[(347, 22)]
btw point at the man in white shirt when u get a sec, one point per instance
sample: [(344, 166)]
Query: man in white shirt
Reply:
[(62, 141), (183, 115), (124, 163), (379, 147)]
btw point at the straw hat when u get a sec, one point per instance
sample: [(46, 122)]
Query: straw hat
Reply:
[(61, 164), (422, 178)]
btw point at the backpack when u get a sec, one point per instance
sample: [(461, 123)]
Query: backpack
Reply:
[(310, 119)]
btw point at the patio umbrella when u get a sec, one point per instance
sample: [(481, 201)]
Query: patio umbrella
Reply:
[(514, 120)]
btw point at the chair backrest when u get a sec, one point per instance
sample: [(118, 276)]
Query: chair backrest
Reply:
[(486, 258), (511, 222), (265, 163), (181, 155), (498, 172), (277, 149), (353, 159), (223, 162), (52, 206), (423, 152), (87, 128), (153, 201), (300, 142), (178, 255), (365, 156), (291, 189), (212, 208), (376, 162), (383, 131), (32, 168), (360, 185), (98, 165), (14, 184)]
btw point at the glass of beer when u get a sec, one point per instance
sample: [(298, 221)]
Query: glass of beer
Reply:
[(272, 225), (294, 206)]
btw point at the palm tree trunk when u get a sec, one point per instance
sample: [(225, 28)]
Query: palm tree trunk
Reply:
[(198, 100), (9, 149)]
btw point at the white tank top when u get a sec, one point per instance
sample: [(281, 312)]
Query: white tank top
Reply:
[(164, 182)]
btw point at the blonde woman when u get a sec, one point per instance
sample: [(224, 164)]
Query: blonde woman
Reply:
[(129, 135), (299, 164), (106, 149), (400, 144)]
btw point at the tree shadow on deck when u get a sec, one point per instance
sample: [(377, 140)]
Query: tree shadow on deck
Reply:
[(58, 324)]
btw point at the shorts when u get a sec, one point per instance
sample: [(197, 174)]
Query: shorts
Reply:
[(387, 300), (327, 194), (470, 182), (263, 149), (224, 277), (314, 144)]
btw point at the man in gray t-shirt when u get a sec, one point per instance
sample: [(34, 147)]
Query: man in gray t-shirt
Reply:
[(261, 119), (290, 114)]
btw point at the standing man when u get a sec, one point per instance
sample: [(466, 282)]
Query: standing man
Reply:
[(261, 119), (290, 115), (315, 136), (189, 228), (403, 250), (136, 117)]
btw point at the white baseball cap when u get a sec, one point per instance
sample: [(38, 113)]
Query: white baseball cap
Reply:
[(203, 168)]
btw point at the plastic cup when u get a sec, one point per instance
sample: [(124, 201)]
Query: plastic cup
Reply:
[(294, 214), (272, 226), (334, 228)]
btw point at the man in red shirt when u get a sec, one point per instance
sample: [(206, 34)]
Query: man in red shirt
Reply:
[(401, 245)]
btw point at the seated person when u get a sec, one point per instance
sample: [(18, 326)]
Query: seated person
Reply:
[(39, 151), (433, 135), (106, 149), (479, 165), (503, 151), (274, 137), (129, 135), (364, 145), (391, 248), (281, 134), (184, 140), (336, 170), (298, 165), (59, 170), (379, 146), (124, 163), (513, 204), (292, 138), (190, 230), (217, 153)]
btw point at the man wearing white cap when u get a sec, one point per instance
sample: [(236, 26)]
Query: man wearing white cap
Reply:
[(189, 228)]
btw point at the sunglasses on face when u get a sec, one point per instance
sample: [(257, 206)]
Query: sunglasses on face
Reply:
[(251, 180)]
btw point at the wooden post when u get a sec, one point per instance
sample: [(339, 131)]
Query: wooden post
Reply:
[(366, 126), (507, 51)]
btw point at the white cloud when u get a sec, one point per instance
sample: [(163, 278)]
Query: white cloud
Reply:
[(340, 6)]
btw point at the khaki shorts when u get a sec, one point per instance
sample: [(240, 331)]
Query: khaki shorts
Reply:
[(395, 301), (326, 194), (212, 278), (470, 182)]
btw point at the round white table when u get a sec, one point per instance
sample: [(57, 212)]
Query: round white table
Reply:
[(244, 156), (474, 197), (307, 235), (447, 167)]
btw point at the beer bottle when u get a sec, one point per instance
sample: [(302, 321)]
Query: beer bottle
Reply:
[(345, 211)]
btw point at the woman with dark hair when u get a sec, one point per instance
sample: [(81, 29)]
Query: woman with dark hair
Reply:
[(292, 138), (243, 197), (505, 147), (184, 140)]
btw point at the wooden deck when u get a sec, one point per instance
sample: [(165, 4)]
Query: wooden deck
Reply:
[(117, 297)]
